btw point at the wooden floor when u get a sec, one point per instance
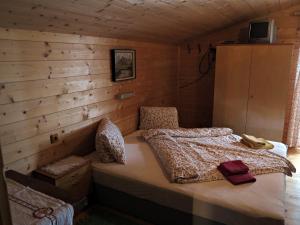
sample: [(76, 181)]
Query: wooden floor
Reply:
[(293, 191)]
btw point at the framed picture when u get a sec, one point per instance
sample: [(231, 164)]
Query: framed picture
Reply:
[(123, 64)]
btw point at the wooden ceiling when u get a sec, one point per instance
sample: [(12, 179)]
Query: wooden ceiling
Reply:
[(154, 20)]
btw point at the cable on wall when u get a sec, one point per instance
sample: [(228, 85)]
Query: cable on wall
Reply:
[(205, 65)]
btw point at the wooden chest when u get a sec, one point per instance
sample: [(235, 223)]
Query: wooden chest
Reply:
[(76, 180)]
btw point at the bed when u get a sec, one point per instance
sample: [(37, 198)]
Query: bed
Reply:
[(141, 181), (30, 207)]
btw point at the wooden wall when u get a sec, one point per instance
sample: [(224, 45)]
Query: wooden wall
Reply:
[(61, 83), (196, 96)]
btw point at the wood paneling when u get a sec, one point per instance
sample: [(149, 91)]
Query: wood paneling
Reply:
[(5, 216), (61, 83), (160, 20), (232, 87), (196, 100), (251, 88), (268, 91)]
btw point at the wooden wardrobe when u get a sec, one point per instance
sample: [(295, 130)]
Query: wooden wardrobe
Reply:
[(251, 89)]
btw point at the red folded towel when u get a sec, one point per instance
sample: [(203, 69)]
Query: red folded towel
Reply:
[(241, 178), (236, 172), (233, 167)]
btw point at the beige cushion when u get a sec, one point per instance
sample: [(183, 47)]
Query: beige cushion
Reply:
[(109, 142), (158, 117)]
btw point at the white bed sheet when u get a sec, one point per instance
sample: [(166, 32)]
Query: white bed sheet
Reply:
[(254, 203)]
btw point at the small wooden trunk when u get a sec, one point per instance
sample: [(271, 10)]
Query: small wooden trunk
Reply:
[(76, 181)]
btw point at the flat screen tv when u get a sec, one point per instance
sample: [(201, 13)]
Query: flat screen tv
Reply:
[(263, 31)]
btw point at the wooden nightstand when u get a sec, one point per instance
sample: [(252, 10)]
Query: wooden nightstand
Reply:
[(72, 174)]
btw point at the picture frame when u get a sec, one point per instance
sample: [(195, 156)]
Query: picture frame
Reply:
[(123, 64)]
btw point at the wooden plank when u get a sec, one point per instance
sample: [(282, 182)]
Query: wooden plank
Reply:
[(27, 51), (25, 110), (161, 21), (28, 35), (89, 21), (79, 141), (29, 128), (29, 146), (43, 51), (23, 91), (18, 111), (76, 142), (41, 70), (22, 149)]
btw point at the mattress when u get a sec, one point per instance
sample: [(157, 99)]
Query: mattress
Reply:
[(261, 202)]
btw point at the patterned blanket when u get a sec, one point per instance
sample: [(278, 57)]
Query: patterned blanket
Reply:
[(192, 155), (29, 207)]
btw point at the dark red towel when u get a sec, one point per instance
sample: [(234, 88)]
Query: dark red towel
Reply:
[(241, 178), (233, 167)]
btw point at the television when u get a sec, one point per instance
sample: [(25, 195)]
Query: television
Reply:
[(263, 31)]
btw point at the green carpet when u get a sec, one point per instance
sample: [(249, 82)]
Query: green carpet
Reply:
[(98, 215)]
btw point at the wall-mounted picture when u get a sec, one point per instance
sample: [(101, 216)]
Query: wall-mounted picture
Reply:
[(123, 64)]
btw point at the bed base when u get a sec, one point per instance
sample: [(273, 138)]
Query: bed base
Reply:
[(144, 209)]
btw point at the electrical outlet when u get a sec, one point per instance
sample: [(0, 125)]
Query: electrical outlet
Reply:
[(53, 138)]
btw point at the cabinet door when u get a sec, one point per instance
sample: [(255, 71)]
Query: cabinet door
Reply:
[(270, 73), (231, 87)]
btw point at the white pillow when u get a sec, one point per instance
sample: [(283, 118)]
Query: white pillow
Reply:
[(158, 117)]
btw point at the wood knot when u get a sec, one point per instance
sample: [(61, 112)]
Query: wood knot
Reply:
[(100, 11)]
